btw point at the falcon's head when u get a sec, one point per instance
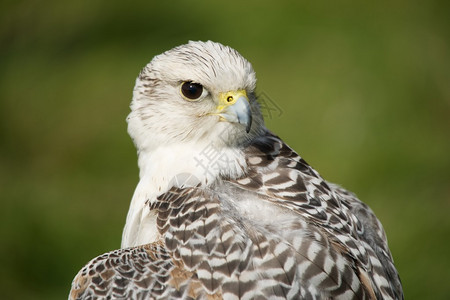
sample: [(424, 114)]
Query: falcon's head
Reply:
[(194, 92)]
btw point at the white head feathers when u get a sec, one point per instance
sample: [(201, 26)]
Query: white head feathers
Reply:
[(161, 116)]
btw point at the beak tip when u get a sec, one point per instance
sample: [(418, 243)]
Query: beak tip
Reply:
[(248, 125)]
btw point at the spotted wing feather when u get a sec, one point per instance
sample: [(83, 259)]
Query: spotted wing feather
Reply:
[(235, 258), (134, 273), (276, 171)]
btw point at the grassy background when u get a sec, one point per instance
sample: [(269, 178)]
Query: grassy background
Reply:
[(363, 91)]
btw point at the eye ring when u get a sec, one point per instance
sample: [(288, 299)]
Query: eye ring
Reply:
[(192, 91)]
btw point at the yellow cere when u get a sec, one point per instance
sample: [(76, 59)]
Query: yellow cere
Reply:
[(229, 98)]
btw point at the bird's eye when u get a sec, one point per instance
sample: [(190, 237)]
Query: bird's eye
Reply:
[(191, 90)]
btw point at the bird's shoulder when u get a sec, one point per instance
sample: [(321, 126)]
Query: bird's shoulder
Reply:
[(279, 175)]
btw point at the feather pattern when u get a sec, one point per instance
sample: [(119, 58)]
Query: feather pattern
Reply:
[(332, 246)]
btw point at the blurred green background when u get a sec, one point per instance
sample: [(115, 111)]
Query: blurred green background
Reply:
[(363, 91)]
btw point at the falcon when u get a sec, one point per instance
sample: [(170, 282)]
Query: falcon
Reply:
[(224, 209)]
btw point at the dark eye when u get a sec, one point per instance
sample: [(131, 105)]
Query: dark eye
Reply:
[(191, 90)]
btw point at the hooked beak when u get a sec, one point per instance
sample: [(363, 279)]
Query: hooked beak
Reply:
[(234, 107)]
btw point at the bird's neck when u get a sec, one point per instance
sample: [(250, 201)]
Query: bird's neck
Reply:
[(180, 165), (164, 166)]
